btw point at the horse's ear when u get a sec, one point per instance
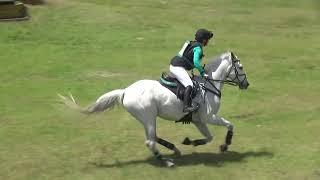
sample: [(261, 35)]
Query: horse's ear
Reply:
[(232, 55)]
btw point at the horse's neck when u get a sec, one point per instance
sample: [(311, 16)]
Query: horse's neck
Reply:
[(213, 101), (220, 74)]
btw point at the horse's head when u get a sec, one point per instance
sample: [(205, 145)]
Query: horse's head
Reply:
[(236, 73)]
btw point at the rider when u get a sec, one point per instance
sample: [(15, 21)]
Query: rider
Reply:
[(188, 58)]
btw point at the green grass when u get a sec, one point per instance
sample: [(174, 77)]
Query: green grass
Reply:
[(66, 44)]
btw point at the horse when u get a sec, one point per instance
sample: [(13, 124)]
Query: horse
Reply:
[(146, 100)]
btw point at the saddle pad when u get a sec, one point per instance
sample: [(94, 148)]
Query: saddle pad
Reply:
[(168, 83)]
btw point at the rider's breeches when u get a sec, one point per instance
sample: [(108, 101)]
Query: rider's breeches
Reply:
[(182, 75)]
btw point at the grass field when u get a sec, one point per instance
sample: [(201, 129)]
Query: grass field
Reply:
[(89, 47)]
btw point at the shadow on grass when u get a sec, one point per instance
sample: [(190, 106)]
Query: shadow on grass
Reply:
[(208, 159), (244, 116)]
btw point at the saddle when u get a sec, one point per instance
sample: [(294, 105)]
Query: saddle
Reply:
[(170, 82)]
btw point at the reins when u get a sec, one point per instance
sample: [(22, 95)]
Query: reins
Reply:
[(216, 91)]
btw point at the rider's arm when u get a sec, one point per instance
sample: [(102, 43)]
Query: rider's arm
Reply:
[(197, 58)]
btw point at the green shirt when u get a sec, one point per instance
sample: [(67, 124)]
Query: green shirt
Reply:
[(197, 51)]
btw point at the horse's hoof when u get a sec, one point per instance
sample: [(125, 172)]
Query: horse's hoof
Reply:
[(169, 162), (223, 148), (187, 141)]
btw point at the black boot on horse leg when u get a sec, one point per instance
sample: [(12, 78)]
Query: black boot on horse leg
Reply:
[(196, 142), (188, 106), (169, 145), (224, 147)]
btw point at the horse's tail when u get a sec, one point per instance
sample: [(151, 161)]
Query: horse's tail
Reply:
[(103, 103)]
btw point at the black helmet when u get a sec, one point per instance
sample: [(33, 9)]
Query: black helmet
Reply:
[(203, 34)]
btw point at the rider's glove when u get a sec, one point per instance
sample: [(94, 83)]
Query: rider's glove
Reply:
[(205, 76)]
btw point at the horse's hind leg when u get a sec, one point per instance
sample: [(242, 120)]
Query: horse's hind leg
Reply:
[(169, 145), (150, 129), (147, 116)]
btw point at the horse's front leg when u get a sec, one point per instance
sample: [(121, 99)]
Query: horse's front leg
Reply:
[(202, 127), (216, 120)]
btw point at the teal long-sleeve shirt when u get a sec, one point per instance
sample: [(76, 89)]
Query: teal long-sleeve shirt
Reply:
[(197, 51)]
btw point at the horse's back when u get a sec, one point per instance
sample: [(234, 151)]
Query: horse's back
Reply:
[(149, 96), (146, 89)]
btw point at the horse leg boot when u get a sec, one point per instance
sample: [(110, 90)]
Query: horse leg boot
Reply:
[(169, 145), (228, 141), (188, 106)]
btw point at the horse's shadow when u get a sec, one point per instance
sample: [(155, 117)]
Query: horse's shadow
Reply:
[(207, 159)]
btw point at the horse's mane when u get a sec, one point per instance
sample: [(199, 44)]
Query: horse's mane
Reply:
[(213, 64)]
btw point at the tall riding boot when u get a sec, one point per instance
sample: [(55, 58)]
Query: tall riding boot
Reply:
[(188, 107)]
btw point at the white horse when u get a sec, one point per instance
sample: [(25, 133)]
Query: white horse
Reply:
[(147, 99)]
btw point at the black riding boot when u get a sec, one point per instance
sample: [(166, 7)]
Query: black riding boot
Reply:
[(188, 106)]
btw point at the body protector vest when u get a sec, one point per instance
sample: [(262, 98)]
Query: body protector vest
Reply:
[(185, 55)]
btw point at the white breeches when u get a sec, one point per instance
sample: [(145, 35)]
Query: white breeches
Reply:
[(182, 75)]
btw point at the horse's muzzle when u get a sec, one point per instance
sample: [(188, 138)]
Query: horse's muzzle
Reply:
[(244, 85)]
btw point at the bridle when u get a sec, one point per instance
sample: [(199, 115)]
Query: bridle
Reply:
[(231, 82), (216, 91)]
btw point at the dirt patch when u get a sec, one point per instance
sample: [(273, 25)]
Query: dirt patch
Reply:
[(245, 115), (103, 74)]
